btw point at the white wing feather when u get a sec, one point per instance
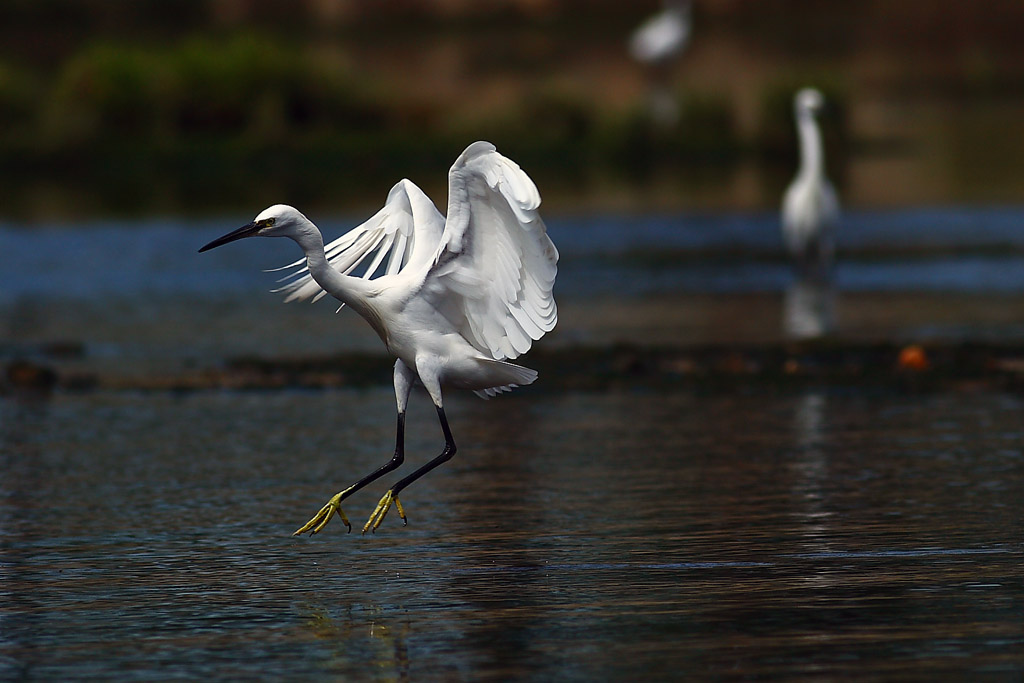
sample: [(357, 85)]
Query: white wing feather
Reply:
[(495, 267), (405, 232)]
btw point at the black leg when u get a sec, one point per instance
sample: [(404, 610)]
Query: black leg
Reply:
[(446, 455), (392, 495), (396, 460)]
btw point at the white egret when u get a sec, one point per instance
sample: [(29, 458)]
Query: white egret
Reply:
[(664, 36), (457, 299), (656, 43), (810, 209)]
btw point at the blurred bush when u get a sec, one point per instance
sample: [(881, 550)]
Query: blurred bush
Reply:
[(553, 125), (102, 92), (243, 87), (19, 94), (191, 122), (700, 132)]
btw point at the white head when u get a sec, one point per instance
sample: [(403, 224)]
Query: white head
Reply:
[(280, 220), (808, 101)]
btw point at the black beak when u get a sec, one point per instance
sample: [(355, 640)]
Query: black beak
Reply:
[(245, 231)]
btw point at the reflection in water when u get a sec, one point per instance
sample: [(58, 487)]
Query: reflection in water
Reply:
[(809, 309), (381, 646), (663, 104), (809, 471)]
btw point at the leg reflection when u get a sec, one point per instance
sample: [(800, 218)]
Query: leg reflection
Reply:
[(362, 642), (810, 470), (809, 309)]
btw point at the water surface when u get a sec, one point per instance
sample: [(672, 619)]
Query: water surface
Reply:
[(139, 300), (578, 536), (841, 532)]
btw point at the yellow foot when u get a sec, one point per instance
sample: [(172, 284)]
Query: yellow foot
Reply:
[(321, 518), (382, 509)]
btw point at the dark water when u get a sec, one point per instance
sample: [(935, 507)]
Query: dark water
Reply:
[(826, 535)]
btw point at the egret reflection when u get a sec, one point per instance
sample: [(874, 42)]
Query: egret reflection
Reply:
[(809, 309)]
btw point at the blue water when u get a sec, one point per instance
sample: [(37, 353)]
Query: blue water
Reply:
[(966, 227), (982, 251)]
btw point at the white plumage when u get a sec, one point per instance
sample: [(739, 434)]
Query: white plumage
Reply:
[(452, 299), (810, 208), (488, 270), (393, 233), (663, 36)]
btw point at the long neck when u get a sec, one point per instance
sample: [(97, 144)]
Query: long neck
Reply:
[(812, 154), (349, 290)]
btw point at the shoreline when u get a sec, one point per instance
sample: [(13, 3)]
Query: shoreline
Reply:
[(780, 366)]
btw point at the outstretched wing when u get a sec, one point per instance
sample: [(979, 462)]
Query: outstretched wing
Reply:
[(404, 233), (495, 267)]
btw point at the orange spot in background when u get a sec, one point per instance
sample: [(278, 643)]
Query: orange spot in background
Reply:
[(913, 357)]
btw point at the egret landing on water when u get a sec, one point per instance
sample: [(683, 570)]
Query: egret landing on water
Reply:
[(810, 209), (457, 299)]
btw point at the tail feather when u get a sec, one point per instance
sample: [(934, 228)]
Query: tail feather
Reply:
[(511, 377)]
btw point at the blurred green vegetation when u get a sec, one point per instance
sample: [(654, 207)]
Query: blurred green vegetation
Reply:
[(181, 126), (703, 133), (246, 88), (147, 106), (19, 95)]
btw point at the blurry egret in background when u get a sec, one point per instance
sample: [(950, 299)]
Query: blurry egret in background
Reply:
[(456, 300), (663, 36), (656, 43), (810, 209), (810, 212)]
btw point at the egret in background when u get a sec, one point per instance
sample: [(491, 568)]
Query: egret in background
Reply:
[(810, 212), (664, 36), (457, 299), (810, 209), (656, 43)]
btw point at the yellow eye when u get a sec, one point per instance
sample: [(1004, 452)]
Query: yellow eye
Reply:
[(267, 222)]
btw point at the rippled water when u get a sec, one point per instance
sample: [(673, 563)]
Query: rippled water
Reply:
[(577, 536)]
